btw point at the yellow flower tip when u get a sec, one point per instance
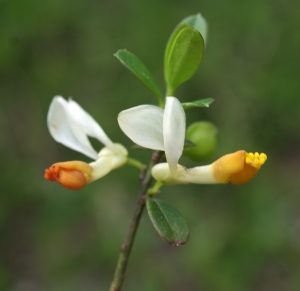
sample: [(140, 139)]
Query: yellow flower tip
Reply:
[(239, 167), (73, 175), (255, 160)]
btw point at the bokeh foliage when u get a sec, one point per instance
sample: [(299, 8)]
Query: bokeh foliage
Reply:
[(242, 237)]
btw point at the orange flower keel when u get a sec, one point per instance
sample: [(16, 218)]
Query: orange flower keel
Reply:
[(239, 167), (252, 163), (72, 175)]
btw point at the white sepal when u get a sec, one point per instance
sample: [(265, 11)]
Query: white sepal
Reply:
[(197, 175), (201, 175), (143, 125), (108, 160), (161, 172)]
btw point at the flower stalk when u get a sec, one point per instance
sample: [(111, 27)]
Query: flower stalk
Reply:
[(135, 163), (146, 180)]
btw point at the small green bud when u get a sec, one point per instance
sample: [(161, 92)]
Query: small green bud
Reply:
[(204, 135)]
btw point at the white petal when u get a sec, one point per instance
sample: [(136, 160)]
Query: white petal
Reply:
[(87, 122), (173, 132), (143, 125), (65, 131)]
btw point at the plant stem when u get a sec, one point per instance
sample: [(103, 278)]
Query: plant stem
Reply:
[(126, 247)]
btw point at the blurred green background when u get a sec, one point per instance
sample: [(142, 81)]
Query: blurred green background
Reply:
[(242, 237)]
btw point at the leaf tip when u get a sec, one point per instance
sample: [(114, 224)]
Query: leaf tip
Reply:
[(118, 52), (179, 243)]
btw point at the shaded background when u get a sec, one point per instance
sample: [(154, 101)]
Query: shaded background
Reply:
[(242, 237)]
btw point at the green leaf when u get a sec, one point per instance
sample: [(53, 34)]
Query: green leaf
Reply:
[(183, 55), (168, 221), (198, 22), (136, 66), (198, 103), (172, 38)]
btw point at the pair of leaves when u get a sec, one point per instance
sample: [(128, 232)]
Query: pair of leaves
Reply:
[(168, 221), (183, 55)]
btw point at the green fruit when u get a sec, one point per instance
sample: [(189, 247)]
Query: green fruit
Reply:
[(204, 135)]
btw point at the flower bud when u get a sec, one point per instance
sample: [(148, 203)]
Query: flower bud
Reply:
[(204, 135)]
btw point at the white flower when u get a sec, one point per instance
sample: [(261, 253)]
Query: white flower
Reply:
[(70, 125), (154, 128)]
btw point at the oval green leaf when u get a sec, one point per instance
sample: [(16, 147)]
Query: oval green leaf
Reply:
[(137, 67), (168, 221), (198, 103), (183, 56)]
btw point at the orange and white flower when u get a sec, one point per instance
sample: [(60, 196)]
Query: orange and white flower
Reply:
[(152, 127), (70, 125), (237, 168)]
